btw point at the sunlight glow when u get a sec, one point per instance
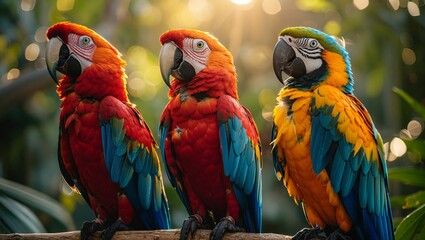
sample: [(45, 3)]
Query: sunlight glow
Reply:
[(241, 2), (201, 9)]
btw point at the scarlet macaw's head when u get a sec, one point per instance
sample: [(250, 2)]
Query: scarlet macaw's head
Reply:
[(92, 67), (72, 48), (189, 55)]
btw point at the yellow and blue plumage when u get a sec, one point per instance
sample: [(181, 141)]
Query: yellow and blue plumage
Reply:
[(326, 149)]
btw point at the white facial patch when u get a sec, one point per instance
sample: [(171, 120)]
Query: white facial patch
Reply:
[(308, 50), (82, 48), (196, 52)]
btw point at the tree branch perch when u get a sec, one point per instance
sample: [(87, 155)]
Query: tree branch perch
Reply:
[(172, 234)]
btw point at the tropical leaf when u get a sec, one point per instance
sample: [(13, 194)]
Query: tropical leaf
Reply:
[(415, 200), (417, 107), (410, 224), (408, 176), (417, 147), (17, 218), (37, 201), (398, 201)]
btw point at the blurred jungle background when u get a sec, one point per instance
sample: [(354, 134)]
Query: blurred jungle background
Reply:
[(385, 40)]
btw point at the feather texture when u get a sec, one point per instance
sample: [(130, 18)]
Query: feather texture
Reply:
[(326, 148)]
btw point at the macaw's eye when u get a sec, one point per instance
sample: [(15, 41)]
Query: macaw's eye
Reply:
[(199, 45), (313, 43), (85, 41)]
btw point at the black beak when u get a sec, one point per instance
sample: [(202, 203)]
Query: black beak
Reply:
[(59, 58), (171, 63), (285, 60)]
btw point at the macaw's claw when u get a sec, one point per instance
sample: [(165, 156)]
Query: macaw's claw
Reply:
[(190, 225), (226, 224), (309, 233), (91, 227), (338, 235), (110, 231)]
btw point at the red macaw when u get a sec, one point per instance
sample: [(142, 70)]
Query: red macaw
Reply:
[(326, 149), (106, 151), (208, 140)]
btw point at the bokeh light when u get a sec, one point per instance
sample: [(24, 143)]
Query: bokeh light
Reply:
[(332, 28), (271, 7), (415, 128), (40, 34), (413, 9), (13, 73), (398, 147), (136, 55), (27, 5), (395, 4), (361, 4), (32, 51), (408, 56), (65, 5)]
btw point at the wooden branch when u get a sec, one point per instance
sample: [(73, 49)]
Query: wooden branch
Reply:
[(172, 234), (23, 87)]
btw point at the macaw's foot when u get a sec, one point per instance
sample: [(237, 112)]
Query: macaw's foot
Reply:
[(190, 225), (91, 227), (226, 224), (338, 235), (110, 231), (309, 233)]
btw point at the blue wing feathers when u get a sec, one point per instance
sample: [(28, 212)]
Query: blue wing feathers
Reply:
[(116, 168), (363, 189), (361, 183), (243, 169), (357, 160), (370, 193), (348, 180), (126, 173), (337, 172), (345, 149), (130, 164), (145, 190)]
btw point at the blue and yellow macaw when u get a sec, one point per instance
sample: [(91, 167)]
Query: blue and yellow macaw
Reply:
[(326, 149)]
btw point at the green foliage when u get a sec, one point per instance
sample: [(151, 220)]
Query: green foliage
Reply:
[(18, 205), (410, 225), (16, 217), (417, 107), (409, 176), (413, 225)]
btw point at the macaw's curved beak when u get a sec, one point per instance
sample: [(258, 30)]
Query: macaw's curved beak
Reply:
[(285, 60), (171, 63), (59, 58)]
